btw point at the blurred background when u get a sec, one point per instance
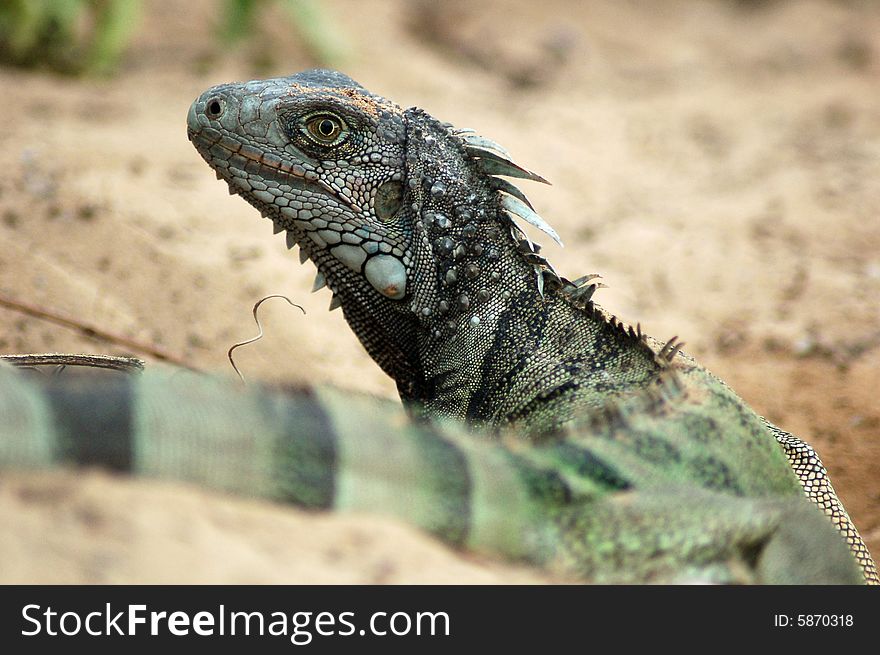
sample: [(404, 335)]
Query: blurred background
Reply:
[(717, 161)]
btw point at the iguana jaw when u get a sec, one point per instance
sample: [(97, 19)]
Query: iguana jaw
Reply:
[(223, 152)]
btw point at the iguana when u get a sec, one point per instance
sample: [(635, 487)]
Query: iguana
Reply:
[(537, 425)]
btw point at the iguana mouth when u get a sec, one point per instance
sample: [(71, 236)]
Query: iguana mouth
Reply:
[(216, 148)]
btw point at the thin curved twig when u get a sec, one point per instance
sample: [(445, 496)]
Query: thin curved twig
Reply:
[(93, 331), (260, 327), (127, 364)]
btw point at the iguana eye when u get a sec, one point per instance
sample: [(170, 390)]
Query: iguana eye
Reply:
[(325, 129)]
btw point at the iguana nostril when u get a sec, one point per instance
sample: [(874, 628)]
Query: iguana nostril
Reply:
[(214, 108)]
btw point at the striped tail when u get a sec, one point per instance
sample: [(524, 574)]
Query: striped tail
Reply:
[(316, 448)]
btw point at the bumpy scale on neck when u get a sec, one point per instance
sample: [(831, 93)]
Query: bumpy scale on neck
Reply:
[(469, 278), (501, 339)]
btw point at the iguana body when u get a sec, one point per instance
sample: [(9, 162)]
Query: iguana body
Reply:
[(629, 461)]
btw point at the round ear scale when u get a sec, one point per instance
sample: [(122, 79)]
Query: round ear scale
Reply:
[(387, 274), (388, 200)]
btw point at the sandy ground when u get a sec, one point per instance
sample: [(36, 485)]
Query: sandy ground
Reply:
[(717, 162)]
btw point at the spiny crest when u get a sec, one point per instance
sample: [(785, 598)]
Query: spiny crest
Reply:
[(493, 160), (669, 350), (614, 415), (580, 293)]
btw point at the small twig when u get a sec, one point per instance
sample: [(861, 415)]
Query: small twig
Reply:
[(92, 331), (127, 364), (260, 327)]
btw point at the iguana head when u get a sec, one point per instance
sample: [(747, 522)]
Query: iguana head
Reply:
[(404, 216)]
